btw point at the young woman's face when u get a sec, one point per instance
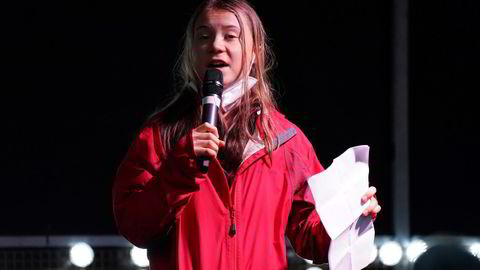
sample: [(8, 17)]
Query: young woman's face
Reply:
[(216, 44)]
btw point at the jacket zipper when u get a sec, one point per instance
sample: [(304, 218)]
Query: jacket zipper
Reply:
[(233, 227)]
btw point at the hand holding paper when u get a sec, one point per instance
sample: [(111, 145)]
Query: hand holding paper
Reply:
[(338, 193)]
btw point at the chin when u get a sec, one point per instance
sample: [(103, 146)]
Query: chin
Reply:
[(227, 82)]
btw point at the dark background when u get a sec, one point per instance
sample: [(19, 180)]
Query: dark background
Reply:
[(80, 77)]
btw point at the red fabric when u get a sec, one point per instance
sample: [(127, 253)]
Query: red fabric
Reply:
[(184, 217)]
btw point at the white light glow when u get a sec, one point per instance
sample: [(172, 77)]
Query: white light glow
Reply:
[(390, 253), (81, 254), (314, 268), (415, 249), (374, 254), (475, 249), (139, 257)]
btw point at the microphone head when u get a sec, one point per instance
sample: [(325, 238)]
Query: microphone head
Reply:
[(213, 82)]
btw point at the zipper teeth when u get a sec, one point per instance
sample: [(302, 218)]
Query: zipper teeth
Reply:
[(233, 229), (233, 226), (233, 232)]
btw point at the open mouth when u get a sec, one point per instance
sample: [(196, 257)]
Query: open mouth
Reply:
[(217, 64)]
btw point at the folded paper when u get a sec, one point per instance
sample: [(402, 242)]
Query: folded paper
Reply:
[(338, 192)]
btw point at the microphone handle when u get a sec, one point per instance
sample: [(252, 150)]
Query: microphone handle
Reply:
[(209, 115)]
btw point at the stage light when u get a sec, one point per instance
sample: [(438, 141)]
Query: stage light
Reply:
[(415, 249), (81, 254), (139, 257), (374, 254), (390, 253), (475, 249)]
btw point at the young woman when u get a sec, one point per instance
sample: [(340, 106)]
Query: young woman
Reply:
[(255, 192)]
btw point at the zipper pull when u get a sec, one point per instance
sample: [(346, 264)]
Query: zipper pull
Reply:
[(233, 227), (233, 230)]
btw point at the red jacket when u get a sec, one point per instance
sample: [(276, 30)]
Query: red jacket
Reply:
[(190, 220)]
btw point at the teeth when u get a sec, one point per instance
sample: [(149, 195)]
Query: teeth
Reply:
[(217, 64)]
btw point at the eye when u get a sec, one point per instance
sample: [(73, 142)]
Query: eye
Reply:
[(202, 35), (231, 36)]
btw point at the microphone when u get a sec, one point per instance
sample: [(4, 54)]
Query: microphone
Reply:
[(212, 92)]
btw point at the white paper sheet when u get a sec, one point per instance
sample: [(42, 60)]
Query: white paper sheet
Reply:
[(337, 192)]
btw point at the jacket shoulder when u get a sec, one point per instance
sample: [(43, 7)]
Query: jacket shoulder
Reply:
[(284, 125), (147, 146)]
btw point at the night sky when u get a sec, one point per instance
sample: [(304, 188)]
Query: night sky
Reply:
[(80, 77)]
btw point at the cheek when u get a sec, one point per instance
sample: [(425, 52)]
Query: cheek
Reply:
[(237, 58), (198, 62)]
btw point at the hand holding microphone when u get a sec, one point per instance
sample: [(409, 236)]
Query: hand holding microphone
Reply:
[(205, 137)]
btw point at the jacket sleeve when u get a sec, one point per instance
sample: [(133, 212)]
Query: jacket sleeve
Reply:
[(150, 191), (305, 229)]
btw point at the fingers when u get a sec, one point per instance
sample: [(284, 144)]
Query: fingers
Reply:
[(369, 194), (206, 141), (201, 151), (207, 127), (373, 208), (200, 136), (375, 212), (207, 144), (222, 143)]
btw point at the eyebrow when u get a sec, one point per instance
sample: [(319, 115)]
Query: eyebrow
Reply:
[(230, 26)]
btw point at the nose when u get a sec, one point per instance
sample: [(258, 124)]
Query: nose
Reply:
[(218, 44)]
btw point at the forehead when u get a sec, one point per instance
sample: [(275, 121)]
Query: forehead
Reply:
[(217, 18)]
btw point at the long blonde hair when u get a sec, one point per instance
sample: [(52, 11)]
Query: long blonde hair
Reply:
[(238, 125)]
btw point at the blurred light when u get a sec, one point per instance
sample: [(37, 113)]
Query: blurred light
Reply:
[(139, 257), (373, 255), (390, 253), (415, 249), (314, 268), (81, 254), (475, 249)]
